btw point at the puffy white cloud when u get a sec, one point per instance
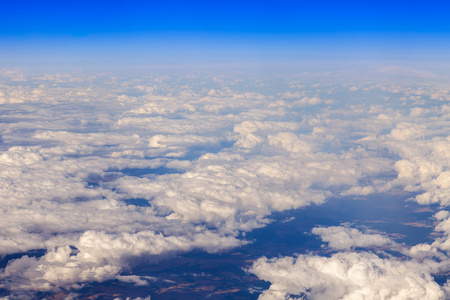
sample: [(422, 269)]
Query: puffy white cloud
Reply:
[(348, 275), (64, 186), (308, 101), (290, 142), (345, 238), (424, 168), (99, 256), (418, 139), (78, 148), (442, 242)]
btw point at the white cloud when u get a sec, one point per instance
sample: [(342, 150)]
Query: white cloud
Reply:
[(345, 238), (68, 153), (100, 256), (424, 168), (348, 275), (308, 101)]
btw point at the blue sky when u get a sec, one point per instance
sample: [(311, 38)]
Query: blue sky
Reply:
[(128, 32), (70, 17)]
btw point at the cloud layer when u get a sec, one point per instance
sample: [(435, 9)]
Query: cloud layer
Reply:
[(99, 171), (347, 275)]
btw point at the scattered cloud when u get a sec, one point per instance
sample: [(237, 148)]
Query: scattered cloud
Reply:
[(211, 158), (348, 275), (346, 238)]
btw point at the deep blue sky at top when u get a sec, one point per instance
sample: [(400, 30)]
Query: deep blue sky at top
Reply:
[(208, 30), (81, 17)]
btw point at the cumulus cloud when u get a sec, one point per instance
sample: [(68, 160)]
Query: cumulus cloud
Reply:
[(417, 142), (423, 166), (348, 275), (345, 238), (66, 181), (98, 256), (209, 158)]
